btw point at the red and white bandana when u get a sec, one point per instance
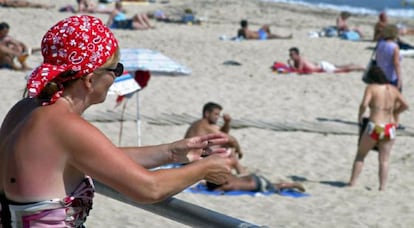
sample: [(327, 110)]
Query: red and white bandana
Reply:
[(80, 43)]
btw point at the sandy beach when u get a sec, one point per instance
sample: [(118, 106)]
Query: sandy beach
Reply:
[(323, 107)]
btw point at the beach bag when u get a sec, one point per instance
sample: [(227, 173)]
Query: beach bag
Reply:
[(331, 32), (372, 62), (362, 126)]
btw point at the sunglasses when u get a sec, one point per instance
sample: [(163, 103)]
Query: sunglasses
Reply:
[(118, 70)]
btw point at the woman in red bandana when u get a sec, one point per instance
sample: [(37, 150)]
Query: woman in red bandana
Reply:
[(47, 148)]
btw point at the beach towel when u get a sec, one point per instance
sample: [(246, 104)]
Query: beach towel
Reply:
[(409, 52), (231, 38), (202, 189), (150, 60), (350, 35), (282, 68)]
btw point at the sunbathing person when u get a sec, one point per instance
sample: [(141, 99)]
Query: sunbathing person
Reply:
[(208, 124), (188, 17), (383, 21), (262, 34), (342, 25), (21, 3), (11, 49), (303, 66), (119, 20), (254, 183), (402, 30)]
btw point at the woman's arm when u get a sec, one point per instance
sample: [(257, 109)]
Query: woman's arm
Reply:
[(364, 103), (402, 103), (181, 151), (396, 61), (94, 154)]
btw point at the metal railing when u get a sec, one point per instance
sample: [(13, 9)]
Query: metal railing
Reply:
[(180, 211)]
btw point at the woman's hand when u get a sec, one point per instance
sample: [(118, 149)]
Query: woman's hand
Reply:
[(192, 149)]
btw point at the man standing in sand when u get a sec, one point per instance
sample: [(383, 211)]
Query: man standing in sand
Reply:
[(208, 124), (302, 66)]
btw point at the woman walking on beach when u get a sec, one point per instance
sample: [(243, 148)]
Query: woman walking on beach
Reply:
[(388, 55), (48, 152), (381, 98)]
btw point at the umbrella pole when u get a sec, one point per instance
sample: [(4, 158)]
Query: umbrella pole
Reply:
[(138, 121)]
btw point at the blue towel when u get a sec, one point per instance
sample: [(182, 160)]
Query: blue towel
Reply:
[(202, 189), (350, 35)]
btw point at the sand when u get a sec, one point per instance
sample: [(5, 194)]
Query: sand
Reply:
[(252, 92)]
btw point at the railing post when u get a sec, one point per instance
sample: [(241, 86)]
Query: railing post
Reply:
[(180, 211)]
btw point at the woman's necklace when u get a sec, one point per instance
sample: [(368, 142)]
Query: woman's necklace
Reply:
[(70, 102)]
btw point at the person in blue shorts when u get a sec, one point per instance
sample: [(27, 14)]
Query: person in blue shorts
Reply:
[(262, 34), (119, 20)]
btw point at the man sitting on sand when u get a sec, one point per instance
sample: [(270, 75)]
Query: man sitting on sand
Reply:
[(262, 34), (302, 66), (10, 49), (208, 124), (383, 21), (342, 26)]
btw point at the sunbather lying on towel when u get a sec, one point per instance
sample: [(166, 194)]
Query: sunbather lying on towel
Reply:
[(119, 20), (254, 183), (262, 34), (302, 66), (23, 4)]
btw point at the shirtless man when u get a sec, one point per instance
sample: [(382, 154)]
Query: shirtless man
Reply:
[(11, 48), (208, 124), (342, 25), (382, 22), (302, 66), (262, 34)]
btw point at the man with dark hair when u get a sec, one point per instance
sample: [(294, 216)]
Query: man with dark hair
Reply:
[(303, 66), (10, 49), (262, 34), (209, 124)]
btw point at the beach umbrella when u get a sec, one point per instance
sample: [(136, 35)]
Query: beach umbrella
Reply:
[(125, 86)]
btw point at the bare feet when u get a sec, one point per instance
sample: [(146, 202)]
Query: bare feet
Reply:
[(293, 185)]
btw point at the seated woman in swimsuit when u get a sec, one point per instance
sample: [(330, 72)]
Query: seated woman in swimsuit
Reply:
[(49, 153), (385, 104)]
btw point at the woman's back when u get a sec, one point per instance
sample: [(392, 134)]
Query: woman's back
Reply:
[(383, 98), (29, 130), (13, 118)]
